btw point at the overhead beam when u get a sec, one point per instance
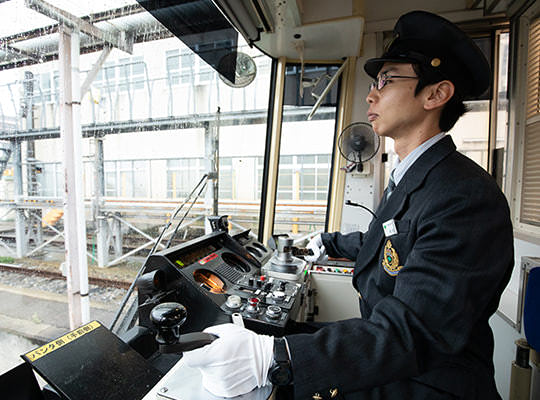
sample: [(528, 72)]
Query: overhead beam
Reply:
[(119, 39), (11, 49), (93, 18), (490, 6), (159, 124), (472, 4), (152, 31)]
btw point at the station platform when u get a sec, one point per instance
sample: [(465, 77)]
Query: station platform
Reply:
[(42, 316)]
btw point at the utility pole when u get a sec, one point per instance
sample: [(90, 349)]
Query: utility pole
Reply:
[(33, 222), (211, 142), (74, 216), (70, 27)]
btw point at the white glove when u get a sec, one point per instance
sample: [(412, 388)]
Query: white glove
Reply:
[(319, 252), (235, 363)]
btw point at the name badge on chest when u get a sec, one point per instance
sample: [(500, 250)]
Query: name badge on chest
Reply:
[(389, 228)]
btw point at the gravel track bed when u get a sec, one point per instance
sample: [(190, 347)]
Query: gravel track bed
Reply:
[(59, 286)]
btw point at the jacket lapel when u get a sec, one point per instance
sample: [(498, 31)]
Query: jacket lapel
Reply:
[(412, 179)]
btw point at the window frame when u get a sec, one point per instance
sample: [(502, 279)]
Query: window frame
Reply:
[(519, 45)]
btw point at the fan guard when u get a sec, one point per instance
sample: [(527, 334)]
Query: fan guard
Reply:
[(358, 142)]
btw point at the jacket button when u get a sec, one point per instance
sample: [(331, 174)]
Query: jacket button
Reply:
[(333, 393), (317, 396)]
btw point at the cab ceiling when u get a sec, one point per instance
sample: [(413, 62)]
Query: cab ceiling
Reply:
[(318, 30)]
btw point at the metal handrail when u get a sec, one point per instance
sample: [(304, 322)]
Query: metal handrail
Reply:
[(139, 273)]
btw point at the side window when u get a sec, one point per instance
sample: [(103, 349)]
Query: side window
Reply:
[(523, 179), (530, 199), (305, 150)]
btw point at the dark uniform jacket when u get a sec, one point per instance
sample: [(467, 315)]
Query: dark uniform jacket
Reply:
[(426, 293)]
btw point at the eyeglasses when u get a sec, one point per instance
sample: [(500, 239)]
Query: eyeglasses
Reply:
[(382, 80)]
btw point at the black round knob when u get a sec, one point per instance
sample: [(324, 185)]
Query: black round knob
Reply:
[(151, 281), (168, 315)]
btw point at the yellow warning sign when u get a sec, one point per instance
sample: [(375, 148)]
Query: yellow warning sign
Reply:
[(61, 341)]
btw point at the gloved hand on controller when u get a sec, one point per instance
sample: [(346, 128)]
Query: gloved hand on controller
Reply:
[(319, 252), (235, 363)]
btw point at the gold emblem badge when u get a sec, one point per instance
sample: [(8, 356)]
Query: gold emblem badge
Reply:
[(390, 260), (435, 62)]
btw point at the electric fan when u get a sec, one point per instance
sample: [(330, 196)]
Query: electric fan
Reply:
[(358, 143)]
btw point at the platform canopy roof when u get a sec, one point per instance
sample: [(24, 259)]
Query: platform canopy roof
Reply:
[(28, 32)]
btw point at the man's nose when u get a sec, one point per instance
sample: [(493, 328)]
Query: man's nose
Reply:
[(370, 98)]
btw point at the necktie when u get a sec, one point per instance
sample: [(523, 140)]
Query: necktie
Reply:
[(391, 185), (387, 192)]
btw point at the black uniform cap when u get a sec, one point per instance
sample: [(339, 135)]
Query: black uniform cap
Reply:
[(424, 38)]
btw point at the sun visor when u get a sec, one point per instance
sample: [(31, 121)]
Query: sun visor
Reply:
[(201, 26)]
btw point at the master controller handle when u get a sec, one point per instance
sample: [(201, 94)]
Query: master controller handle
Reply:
[(284, 245), (168, 317)]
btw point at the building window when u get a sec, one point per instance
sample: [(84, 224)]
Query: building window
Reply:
[(187, 61), (56, 85), (50, 179), (183, 175), (141, 176), (285, 178), (110, 178), (314, 176), (205, 73), (106, 77), (172, 61), (45, 85), (132, 73), (303, 177), (138, 72), (127, 178), (180, 66), (226, 172)]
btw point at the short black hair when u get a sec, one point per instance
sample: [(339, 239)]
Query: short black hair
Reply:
[(453, 109)]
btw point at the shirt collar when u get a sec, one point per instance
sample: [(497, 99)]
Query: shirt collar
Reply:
[(401, 167)]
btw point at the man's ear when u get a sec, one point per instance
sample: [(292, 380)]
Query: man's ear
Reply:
[(438, 94)]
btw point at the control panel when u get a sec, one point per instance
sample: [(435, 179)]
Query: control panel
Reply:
[(218, 275), (334, 267), (327, 269), (264, 300)]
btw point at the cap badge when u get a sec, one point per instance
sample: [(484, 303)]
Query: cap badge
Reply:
[(390, 260), (435, 62)]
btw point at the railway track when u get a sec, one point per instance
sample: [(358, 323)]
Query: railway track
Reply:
[(129, 241), (102, 282)]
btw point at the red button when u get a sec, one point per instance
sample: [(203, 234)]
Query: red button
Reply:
[(262, 278), (253, 301)]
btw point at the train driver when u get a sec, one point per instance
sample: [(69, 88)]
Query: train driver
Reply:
[(430, 269)]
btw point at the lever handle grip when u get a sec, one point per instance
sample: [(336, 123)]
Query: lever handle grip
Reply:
[(194, 340), (187, 342), (301, 252)]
